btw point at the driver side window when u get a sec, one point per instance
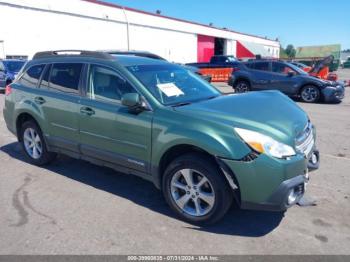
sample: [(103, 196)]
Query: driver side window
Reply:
[(106, 85), (281, 68)]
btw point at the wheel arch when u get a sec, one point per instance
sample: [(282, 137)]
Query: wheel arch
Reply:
[(22, 118), (182, 149), (242, 78), (310, 84)]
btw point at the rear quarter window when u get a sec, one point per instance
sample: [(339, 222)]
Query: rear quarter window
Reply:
[(261, 66), (30, 77)]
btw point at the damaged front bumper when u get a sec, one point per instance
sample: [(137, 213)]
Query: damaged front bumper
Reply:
[(333, 93), (267, 183)]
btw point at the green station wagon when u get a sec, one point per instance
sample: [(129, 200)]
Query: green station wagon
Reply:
[(159, 121)]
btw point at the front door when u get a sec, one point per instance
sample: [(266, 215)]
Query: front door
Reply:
[(108, 131), (283, 78)]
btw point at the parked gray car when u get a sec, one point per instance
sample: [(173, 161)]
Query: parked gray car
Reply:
[(261, 75)]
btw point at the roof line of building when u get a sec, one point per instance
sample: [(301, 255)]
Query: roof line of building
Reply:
[(99, 2)]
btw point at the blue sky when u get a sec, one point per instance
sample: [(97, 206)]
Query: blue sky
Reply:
[(299, 22)]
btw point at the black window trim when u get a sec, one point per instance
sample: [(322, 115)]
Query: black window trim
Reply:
[(47, 67)]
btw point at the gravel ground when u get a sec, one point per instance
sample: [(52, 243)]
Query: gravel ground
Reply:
[(73, 207)]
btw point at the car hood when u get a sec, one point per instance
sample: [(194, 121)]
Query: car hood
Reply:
[(319, 82), (268, 112)]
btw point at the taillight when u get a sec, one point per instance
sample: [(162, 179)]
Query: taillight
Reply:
[(8, 90)]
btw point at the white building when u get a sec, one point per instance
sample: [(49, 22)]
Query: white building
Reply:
[(29, 26)]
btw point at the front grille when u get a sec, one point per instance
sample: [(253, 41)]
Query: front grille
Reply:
[(304, 143)]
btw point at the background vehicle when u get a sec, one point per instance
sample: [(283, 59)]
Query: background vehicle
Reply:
[(347, 63), (220, 67), (154, 56), (2, 77), (278, 75), (9, 68), (156, 120)]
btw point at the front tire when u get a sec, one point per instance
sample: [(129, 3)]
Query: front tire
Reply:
[(242, 86), (33, 144), (310, 94), (195, 189)]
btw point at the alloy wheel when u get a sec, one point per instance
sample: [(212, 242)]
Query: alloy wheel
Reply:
[(32, 143), (242, 87), (309, 94), (192, 192)]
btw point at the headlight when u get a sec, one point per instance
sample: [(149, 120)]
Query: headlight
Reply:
[(265, 144)]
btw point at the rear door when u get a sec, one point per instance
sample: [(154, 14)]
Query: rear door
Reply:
[(108, 131), (59, 99), (261, 75)]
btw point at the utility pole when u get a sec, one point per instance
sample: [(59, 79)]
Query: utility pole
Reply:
[(127, 29)]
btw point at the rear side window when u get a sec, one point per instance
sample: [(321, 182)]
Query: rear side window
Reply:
[(65, 77), (2, 67), (261, 66), (31, 77), (249, 65)]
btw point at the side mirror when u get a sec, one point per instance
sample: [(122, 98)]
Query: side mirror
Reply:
[(290, 74), (132, 101)]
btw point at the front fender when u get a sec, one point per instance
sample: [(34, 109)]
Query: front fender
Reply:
[(215, 141)]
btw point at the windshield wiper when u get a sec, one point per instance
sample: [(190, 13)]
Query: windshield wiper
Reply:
[(211, 97), (188, 103), (181, 104)]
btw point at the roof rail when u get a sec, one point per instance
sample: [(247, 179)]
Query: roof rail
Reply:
[(70, 53)]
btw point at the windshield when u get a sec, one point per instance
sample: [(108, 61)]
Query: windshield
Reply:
[(295, 68), (13, 66), (173, 84)]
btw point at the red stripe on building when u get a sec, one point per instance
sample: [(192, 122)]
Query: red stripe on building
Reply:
[(243, 52)]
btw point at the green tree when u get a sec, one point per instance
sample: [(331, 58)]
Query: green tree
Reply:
[(290, 51)]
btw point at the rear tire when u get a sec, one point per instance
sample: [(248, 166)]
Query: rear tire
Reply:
[(33, 144), (242, 86), (310, 94), (203, 200)]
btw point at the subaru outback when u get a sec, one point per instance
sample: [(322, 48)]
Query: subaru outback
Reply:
[(162, 122)]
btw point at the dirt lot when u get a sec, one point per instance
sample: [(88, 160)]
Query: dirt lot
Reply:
[(73, 207)]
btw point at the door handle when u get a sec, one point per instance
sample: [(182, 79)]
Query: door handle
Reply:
[(87, 111), (39, 100)]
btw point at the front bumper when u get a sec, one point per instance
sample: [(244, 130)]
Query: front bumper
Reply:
[(266, 183), (333, 93)]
